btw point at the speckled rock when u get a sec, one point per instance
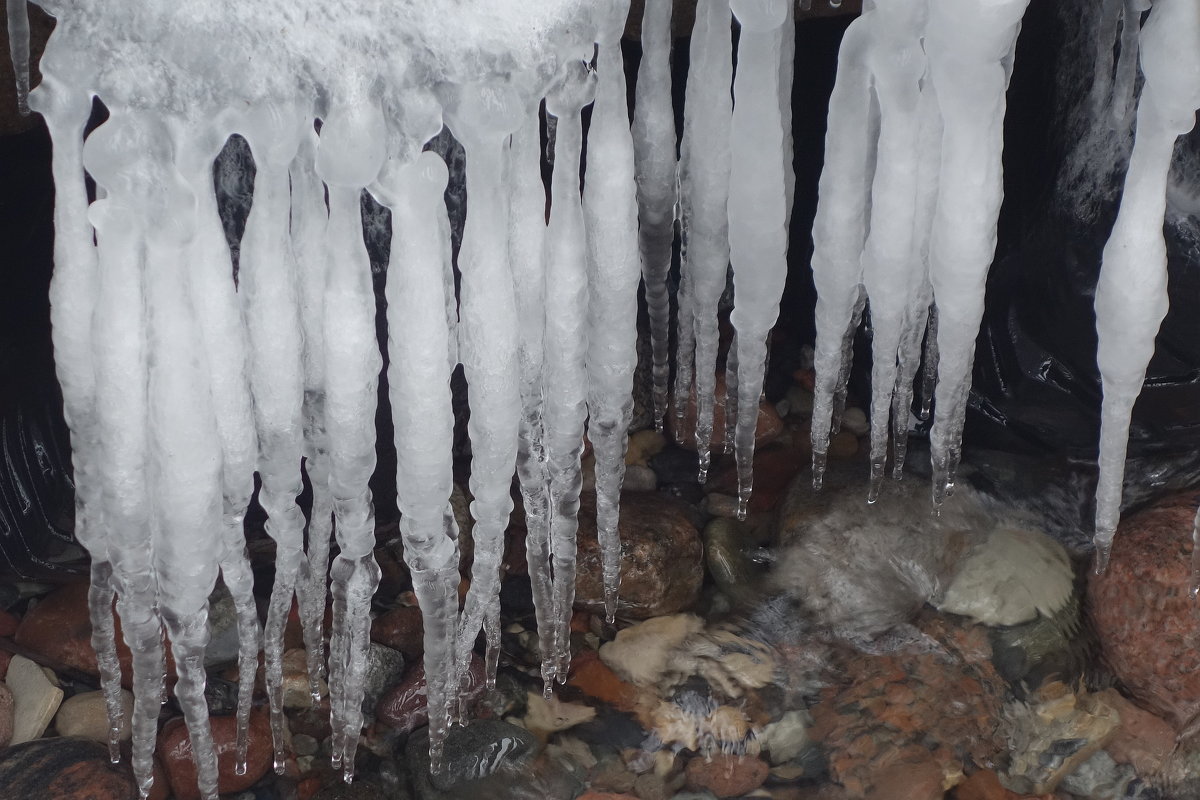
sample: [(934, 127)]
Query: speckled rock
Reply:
[(175, 749), (86, 715), (726, 775), (6, 715), (661, 557), (1143, 614), (65, 768), (404, 706), (1143, 740)]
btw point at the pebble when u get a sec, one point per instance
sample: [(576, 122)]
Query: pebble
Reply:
[(920, 780), (175, 748), (86, 715), (786, 738), (726, 775), (855, 420), (222, 628), (296, 692), (402, 629), (304, 745), (385, 668), (639, 479), (35, 699), (643, 446)]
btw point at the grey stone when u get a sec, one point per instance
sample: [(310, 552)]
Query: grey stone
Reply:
[(385, 668), (222, 627)]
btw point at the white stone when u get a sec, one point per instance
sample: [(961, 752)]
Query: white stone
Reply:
[(1010, 578), (786, 738), (35, 697), (86, 715)]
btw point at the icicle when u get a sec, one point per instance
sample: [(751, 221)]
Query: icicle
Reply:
[(482, 117), (1127, 60), (526, 237), (840, 229), (610, 214), (73, 287), (18, 46), (352, 150), (309, 219), (704, 187), (418, 384), (787, 67), (757, 216), (111, 155), (970, 47), (270, 307), (896, 62), (1131, 293), (564, 371), (654, 156)]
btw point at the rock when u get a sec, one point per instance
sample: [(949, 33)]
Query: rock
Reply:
[(914, 780), (544, 717), (404, 707), (606, 796), (480, 749), (641, 653), (65, 768), (8, 623), (222, 627), (983, 785), (725, 544), (1143, 740), (5, 658), (296, 691), (661, 557), (400, 628), (385, 668), (1010, 578), (1099, 778), (35, 699), (726, 775), (639, 479), (855, 420), (1052, 735), (775, 466), (843, 446), (596, 679), (60, 629), (304, 745), (6, 716), (676, 465), (1143, 613), (786, 738), (768, 427), (175, 748), (721, 505), (85, 715), (643, 446)]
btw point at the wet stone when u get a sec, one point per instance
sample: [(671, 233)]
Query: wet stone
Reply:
[(385, 668), (175, 749), (66, 768), (86, 715)]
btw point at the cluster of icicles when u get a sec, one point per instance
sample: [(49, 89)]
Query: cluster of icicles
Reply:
[(180, 383)]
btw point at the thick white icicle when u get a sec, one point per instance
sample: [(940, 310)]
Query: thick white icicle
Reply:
[(897, 63), (222, 337), (309, 219), (1131, 293), (270, 307), (526, 239), (481, 117), (704, 186), (112, 155), (757, 216), (185, 476), (840, 227), (418, 385), (72, 301), (610, 214), (564, 371), (654, 156), (787, 68), (352, 150), (970, 48)]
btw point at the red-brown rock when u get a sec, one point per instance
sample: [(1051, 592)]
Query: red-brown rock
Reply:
[(60, 629), (983, 785), (404, 706), (661, 557), (914, 780), (8, 623), (726, 775), (1143, 740), (606, 796), (67, 768), (400, 629), (769, 423), (175, 749), (594, 678), (1143, 614), (774, 468)]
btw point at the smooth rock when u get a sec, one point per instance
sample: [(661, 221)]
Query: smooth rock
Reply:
[(1143, 740), (1143, 613), (404, 706), (642, 653), (843, 446), (35, 699), (6, 715), (544, 717), (86, 715), (480, 749), (222, 627), (65, 768), (639, 479), (983, 785), (596, 679), (775, 466), (60, 629), (296, 690), (919, 780), (661, 557), (1010, 578), (175, 748), (786, 738), (643, 446), (726, 775), (725, 544), (402, 629), (385, 668), (855, 420), (768, 426)]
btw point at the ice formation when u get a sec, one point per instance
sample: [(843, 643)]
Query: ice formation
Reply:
[(918, 85), (1131, 294), (184, 374)]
